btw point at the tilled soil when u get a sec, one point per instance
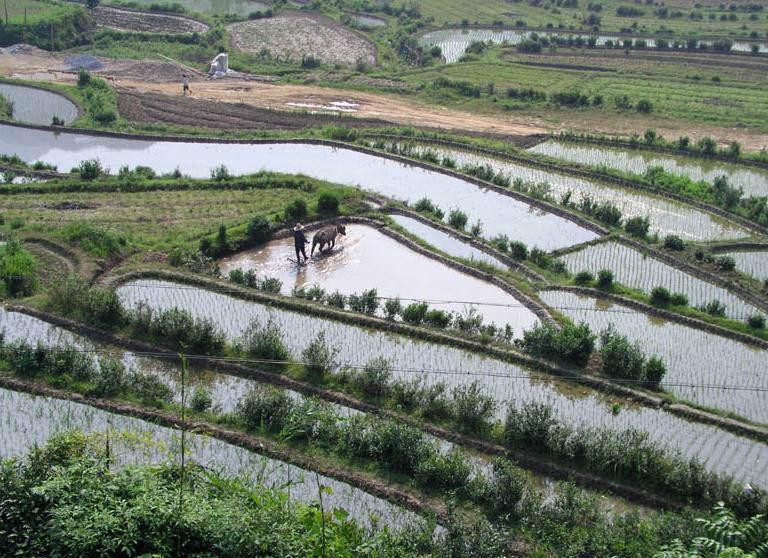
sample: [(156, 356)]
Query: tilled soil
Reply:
[(188, 111), (295, 35), (136, 20)]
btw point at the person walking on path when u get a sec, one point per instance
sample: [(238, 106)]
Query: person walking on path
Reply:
[(186, 85), (299, 241)]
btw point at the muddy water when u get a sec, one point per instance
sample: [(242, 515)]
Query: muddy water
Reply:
[(692, 356), (454, 42), (753, 181), (366, 259), (634, 269), (445, 242), (666, 217), (29, 421), (718, 450), (37, 106), (498, 213), (214, 7), (368, 21), (752, 263)]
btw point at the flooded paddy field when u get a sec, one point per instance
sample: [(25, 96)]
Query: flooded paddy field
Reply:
[(753, 181), (445, 242), (666, 216), (29, 421), (692, 356), (454, 42), (498, 213), (38, 106), (634, 269), (365, 259), (718, 450), (751, 263)]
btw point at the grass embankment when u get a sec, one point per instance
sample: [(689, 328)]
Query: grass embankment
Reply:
[(161, 214)]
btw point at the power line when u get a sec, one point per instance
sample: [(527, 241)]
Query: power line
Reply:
[(224, 290), (420, 370)]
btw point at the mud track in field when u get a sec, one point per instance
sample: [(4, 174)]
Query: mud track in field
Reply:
[(187, 111)]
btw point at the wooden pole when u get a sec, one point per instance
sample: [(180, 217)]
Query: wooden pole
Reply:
[(53, 47), (5, 5)]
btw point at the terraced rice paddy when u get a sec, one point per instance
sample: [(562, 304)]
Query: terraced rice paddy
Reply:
[(718, 450), (498, 213), (753, 181), (368, 21), (454, 42), (666, 217), (364, 259), (445, 242), (636, 270), (752, 263), (29, 421), (214, 7), (38, 106), (697, 361)]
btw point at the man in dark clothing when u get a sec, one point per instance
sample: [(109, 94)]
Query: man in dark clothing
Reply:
[(299, 241)]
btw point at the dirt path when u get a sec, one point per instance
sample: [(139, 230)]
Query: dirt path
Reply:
[(395, 109)]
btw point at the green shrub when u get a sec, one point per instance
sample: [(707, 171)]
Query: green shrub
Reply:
[(336, 299), (392, 308), (605, 279), (571, 343), (265, 342), (457, 219), (177, 328), (425, 205), (446, 472), (111, 378), (150, 388), (97, 241), (415, 313), (637, 226), (318, 357), (584, 277), (679, 299), (373, 380), (506, 488), (474, 409), (725, 263), (674, 242), (438, 319), (660, 296), (83, 78), (295, 210), (518, 250), (366, 302), (201, 400), (265, 409), (18, 270), (529, 426), (328, 203), (90, 169), (103, 307), (714, 308), (654, 371), (756, 322), (621, 359), (259, 230)]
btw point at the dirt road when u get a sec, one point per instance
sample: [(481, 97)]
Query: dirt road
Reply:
[(393, 108)]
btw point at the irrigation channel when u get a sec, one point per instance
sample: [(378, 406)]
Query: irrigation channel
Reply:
[(365, 259), (225, 391), (499, 214), (454, 42), (753, 181), (665, 216), (694, 358), (34, 105), (639, 271), (718, 450)]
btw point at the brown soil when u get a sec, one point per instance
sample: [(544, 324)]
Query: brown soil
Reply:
[(294, 35), (148, 22), (152, 107), (395, 109)]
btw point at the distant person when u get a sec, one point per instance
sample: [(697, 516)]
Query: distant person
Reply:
[(299, 241), (186, 85)]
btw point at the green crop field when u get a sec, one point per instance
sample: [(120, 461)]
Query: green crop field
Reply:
[(34, 11)]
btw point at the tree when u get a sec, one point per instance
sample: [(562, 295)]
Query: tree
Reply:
[(725, 537), (92, 4)]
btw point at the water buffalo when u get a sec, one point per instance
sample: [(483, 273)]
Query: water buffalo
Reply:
[(327, 237)]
